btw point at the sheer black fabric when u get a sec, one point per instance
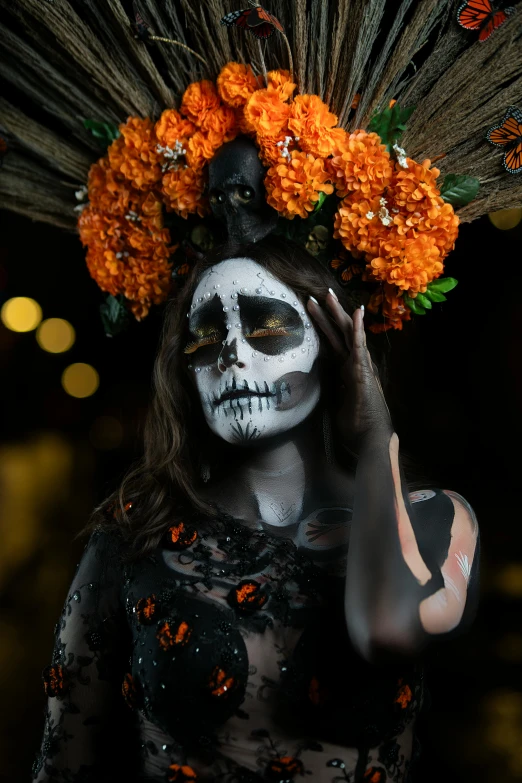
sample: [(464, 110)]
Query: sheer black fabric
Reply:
[(223, 656)]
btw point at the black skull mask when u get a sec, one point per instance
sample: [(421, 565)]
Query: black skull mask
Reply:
[(237, 192)]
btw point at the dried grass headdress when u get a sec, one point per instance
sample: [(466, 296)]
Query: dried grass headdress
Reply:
[(347, 104)]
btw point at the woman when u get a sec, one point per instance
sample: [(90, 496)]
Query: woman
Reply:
[(219, 627)]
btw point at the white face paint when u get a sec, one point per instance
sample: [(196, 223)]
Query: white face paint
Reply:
[(252, 350)]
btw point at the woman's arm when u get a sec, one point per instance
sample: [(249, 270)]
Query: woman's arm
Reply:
[(409, 565), (407, 583), (85, 715)]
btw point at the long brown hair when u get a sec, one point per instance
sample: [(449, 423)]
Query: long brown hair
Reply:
[(164, 485)]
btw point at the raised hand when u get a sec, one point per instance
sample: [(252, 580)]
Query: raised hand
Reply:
[(363, 413)]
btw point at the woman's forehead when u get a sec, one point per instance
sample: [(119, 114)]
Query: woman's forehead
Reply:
[(237, 276)]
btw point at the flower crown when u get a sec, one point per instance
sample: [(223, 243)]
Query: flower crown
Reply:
[(360, 200)]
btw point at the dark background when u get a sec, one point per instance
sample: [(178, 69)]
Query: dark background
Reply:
[(456, 384)]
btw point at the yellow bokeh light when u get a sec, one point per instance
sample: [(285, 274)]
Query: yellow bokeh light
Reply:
[(506, 218), (509, 580), (55, 335), (106, 433), (80, 380), (21, 314)]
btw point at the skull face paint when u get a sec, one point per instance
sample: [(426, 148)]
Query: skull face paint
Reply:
[(253, 352)]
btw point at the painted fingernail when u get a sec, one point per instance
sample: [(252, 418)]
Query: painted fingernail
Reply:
[(333, 294), (313, 299)]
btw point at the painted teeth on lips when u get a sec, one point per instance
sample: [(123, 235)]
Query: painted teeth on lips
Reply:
[(243, 394)]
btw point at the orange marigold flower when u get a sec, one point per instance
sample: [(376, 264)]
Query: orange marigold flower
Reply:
[(357, 224), (391, 303), (183, 191), (110, 191), (201, 148), (279, 81), (267, 112), (415, 194), (130, 254), (220, 125), (410, 264), (314, 125), (236, 83), (271, 148), (134, 154), (363, 166), (293, 187), (172, 127), (199, 100)]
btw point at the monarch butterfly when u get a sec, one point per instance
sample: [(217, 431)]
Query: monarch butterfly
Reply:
[(256, 20), (509, 135), (141, 27), (479, 15)]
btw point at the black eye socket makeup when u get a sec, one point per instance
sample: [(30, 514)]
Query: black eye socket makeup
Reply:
[(206, 333), (270, 325)]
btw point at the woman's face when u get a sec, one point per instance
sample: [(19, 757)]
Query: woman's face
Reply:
[(252, 351)]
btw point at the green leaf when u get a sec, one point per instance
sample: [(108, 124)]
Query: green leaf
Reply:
[(414, 306), (443, 284), (320, 201), (435, 296), (423, 301), (104, 132), (390, 124), (114, 315), (459, 189)]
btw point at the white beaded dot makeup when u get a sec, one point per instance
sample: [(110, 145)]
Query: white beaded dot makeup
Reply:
[(260, 374)]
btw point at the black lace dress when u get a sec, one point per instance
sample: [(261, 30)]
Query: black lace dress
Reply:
[(223, 656)]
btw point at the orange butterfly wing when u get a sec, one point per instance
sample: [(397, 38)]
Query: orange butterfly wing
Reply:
[(509, 130), (509, 134), (496, 20), (513, 159), (474, 13), (269, 18)]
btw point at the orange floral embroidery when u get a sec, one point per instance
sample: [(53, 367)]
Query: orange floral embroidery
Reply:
[(286, 766), (180, 773), (129, 691), (404, 695), (374, 775), (247, 596), (146, 609), (173, 633), (220, 684), (55, 681), (180, 536)]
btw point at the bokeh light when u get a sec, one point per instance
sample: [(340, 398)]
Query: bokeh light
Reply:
[(506, 218), (509, 580), (106, 433), (80, 380), (21, 314), (55, 335)]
